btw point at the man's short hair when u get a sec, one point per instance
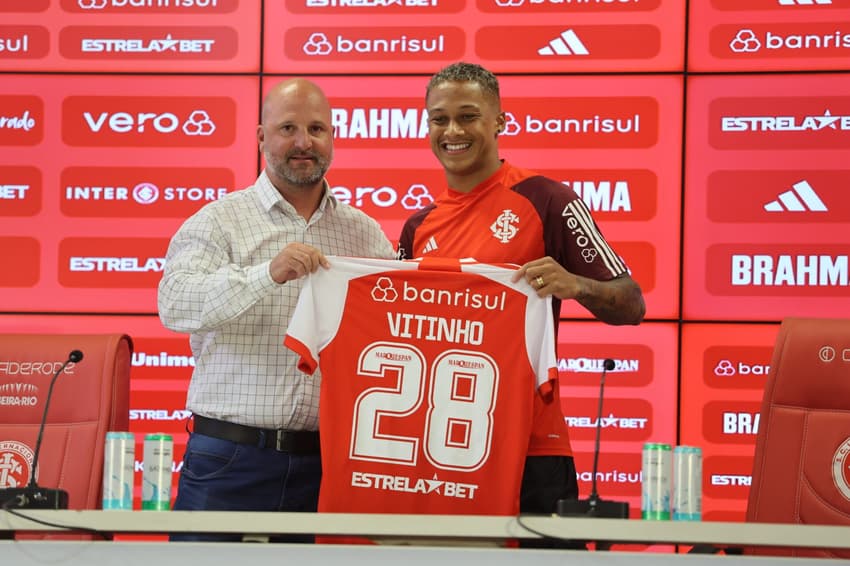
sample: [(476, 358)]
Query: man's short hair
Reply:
[(466, 72)]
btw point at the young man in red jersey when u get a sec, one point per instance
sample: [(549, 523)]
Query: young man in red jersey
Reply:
[(493, 211)]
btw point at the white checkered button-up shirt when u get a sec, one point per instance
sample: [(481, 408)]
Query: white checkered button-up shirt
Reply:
[(217, 287)]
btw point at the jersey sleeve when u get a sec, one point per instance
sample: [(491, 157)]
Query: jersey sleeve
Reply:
[(302, 334)]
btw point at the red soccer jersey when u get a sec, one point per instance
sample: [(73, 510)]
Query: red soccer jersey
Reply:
[(517, 216), (428, 374)]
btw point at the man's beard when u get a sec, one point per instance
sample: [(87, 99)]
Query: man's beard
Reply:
[(300, 177)]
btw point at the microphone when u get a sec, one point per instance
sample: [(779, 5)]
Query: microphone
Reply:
[(32, 496), (594, 506)]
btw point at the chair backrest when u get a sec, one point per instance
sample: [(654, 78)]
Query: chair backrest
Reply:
[(801, 469), (89, 398)]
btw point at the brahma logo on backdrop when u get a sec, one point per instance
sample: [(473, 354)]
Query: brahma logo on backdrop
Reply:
[(374, 7), (20, 190), (566, 6), (624, 41), (111, 262), (149, 121), (148, 42), (396, 123), (781, 40), (779, 196), (21, 119), (780, 269), (736, 367), (731, 422), (24, 42), (613, 194), (375, 43), (789, 122), (146, 192), (727, 477), (626, 420), (150, 6)]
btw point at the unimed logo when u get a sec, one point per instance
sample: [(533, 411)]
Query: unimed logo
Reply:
[(154, 43), (20, 190), (736, 367), (21, 119), (624, 420), (624, 41), (581, 364), (156, 121), (580, 122), (374, 43), (727, 477), (566, 7), (141, 192), (162, 358), (780, 123), (111, 262), (25, 254), (149, 6), (24, 42), (731, 422), (781, 269)]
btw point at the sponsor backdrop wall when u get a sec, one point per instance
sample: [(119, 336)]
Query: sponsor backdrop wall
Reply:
[(724, 186)]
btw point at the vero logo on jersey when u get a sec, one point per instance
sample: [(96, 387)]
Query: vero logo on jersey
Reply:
[(567, 43)]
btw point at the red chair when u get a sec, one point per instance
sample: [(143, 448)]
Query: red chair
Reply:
[(801, 470), (89, 398)]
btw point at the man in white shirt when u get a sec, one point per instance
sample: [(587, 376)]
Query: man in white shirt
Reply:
[(232, 278)]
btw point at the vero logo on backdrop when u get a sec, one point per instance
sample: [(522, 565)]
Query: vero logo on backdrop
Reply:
[(148, 121)]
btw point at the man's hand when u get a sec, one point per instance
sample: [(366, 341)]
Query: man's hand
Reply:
[(296, 260)]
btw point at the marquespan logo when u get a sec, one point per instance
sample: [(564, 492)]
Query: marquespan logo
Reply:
[(505, 227), (15, 464), (841, 468)]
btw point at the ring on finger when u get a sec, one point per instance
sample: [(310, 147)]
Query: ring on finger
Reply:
[(539, 281)]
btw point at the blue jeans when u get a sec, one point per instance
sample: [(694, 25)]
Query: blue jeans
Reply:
[(219, 475)]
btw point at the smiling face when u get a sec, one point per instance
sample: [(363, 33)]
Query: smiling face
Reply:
[(464, 123)]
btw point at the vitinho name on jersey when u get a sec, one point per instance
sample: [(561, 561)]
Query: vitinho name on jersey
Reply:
[(436, 328)]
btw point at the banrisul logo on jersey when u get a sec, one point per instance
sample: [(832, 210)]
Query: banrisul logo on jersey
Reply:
[(148, 121)]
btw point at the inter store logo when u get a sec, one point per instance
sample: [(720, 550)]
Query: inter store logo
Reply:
[(574, 43), (20, 190), (736, 367), (141, 192), (150, 6), (582, 365), (780, 123), (374, 7), (562, 6), (780, 41), (112, 262), (778, 196), (731, 422), (148, 121), (24, 42), (618, 473), (145, 42), (626, 420), (21, 119), (727, 477), (24, 253), (374, 43), (778, 270)]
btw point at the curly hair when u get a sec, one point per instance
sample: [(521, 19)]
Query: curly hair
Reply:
[(466, 72)]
